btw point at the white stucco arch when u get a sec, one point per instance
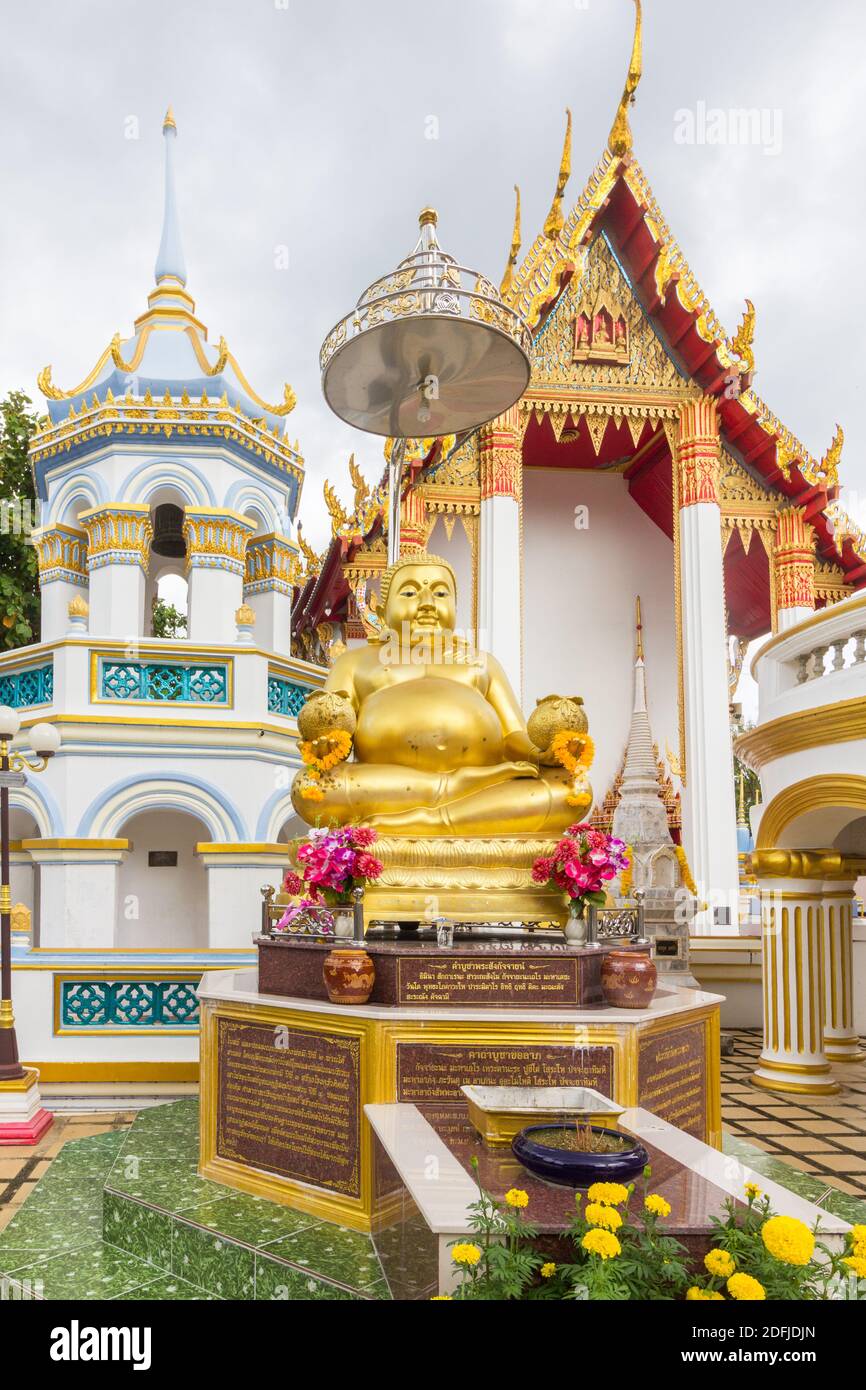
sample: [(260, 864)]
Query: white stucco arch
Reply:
[(81, 488), (144, 482), (254, 502), (106, 816)]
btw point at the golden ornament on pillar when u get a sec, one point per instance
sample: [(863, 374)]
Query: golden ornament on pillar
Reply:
[(78, 607), (245, 616)]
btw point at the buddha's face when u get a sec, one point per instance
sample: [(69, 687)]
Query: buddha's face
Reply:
[(423, 598)]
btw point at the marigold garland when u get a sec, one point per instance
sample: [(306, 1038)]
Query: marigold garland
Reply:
[(685, 871), (572, 751), (339, 745)]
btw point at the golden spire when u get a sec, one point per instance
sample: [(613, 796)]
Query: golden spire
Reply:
[(741, 804), (619, 141), (169, 123), (508, 277), (555, 221), (639, 630)]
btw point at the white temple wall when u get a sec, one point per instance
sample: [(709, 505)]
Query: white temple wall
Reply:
[(458, 552), (163, 907), (578, 617)]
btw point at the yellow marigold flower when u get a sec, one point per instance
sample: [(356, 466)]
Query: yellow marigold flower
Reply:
[(657, 1205), (611, 1194), (788, 1239), (858, 1264), (603, 1243), (695, 1295), (516, 1197), (548, 1270), (858, 1238), (464, 1253), (712, 1296), (599, 1215), (440, 1298), (745, 1288), (720, 1263), (753, 1191)]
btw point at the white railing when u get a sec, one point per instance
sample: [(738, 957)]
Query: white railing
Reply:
[(818, 662)]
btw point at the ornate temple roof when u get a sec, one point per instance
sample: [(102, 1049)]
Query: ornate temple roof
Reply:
[(166, 373), (765, 464)]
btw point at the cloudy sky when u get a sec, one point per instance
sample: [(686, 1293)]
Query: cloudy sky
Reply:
[(305, 136)]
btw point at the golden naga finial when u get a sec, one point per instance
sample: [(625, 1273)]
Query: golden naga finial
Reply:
[(508, 277), (638, 630), (359, 483), (335, 509), (47, 387), (313, 561), (830, 461), (741, 344), (619, 141), (290, 400), (555, 221)]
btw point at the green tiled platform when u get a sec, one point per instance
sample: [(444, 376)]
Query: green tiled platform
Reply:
[(124, 1215)]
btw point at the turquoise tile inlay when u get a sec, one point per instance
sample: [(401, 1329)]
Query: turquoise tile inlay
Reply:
[(165, 682), (286, 697), (32, 686), (152, 1004)]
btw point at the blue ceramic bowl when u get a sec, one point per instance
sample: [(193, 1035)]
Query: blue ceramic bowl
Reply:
[(573, 1169)]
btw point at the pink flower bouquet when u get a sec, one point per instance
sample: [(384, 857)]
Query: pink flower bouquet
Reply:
[(582, 863), (333, 862)]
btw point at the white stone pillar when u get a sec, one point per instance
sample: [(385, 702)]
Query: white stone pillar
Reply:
[(62, 556), (841, 1041), (709, 812), (216, 540), (272, 570), (793, 576), (499, 561), (77, 890), (118, 550), (235, 875), (793, 1057)]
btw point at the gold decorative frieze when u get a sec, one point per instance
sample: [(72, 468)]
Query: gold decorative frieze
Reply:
[(118, 533), (271, 563), (794, 561), (500, 457), (830, 584), (216, 538), (61, 553), (698, 453)]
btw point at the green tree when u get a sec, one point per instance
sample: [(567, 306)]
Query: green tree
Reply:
[(19, 570), (166, 620)]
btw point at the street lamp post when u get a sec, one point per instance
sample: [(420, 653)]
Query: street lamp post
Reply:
[(23, 1119)]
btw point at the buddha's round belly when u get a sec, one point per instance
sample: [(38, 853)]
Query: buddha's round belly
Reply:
[(430, 723)]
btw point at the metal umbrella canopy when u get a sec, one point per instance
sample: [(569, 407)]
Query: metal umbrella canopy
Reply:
[(429, 349)]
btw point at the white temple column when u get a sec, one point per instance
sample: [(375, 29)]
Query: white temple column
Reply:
[(793, 575), (793, 1056), (216, 540), (841, 1041), (78, 882), (118, 550), (709, 813), (271, 567), (500, 563), (62, 556), (235, 875)]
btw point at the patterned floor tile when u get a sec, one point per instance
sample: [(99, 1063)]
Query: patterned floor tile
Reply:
[(167, 1288), (96, 1272), (346, 1256), (139, 1229), (250, 1219), (213, 1264), (278, 1282)]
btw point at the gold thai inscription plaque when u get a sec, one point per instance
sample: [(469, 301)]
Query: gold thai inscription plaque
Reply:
[(491, 981), (288, 1102), (672, 1077), (432, 1073)]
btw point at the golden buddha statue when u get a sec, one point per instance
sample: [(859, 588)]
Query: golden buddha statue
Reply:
[(440, 743)]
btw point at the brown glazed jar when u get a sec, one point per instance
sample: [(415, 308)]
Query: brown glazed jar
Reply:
[(349, 974), (628, 979)]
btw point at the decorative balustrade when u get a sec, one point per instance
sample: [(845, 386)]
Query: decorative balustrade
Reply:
[(138, 1005), (165, 682), (838, 655), (285, 696), (33, 685)]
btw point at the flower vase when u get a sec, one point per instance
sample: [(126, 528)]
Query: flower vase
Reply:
[(344, 923), (575, 926)]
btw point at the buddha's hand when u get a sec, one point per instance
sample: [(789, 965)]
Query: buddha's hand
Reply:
[(324, 713)]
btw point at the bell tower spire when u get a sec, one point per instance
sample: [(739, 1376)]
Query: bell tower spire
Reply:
[(170, 263)]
